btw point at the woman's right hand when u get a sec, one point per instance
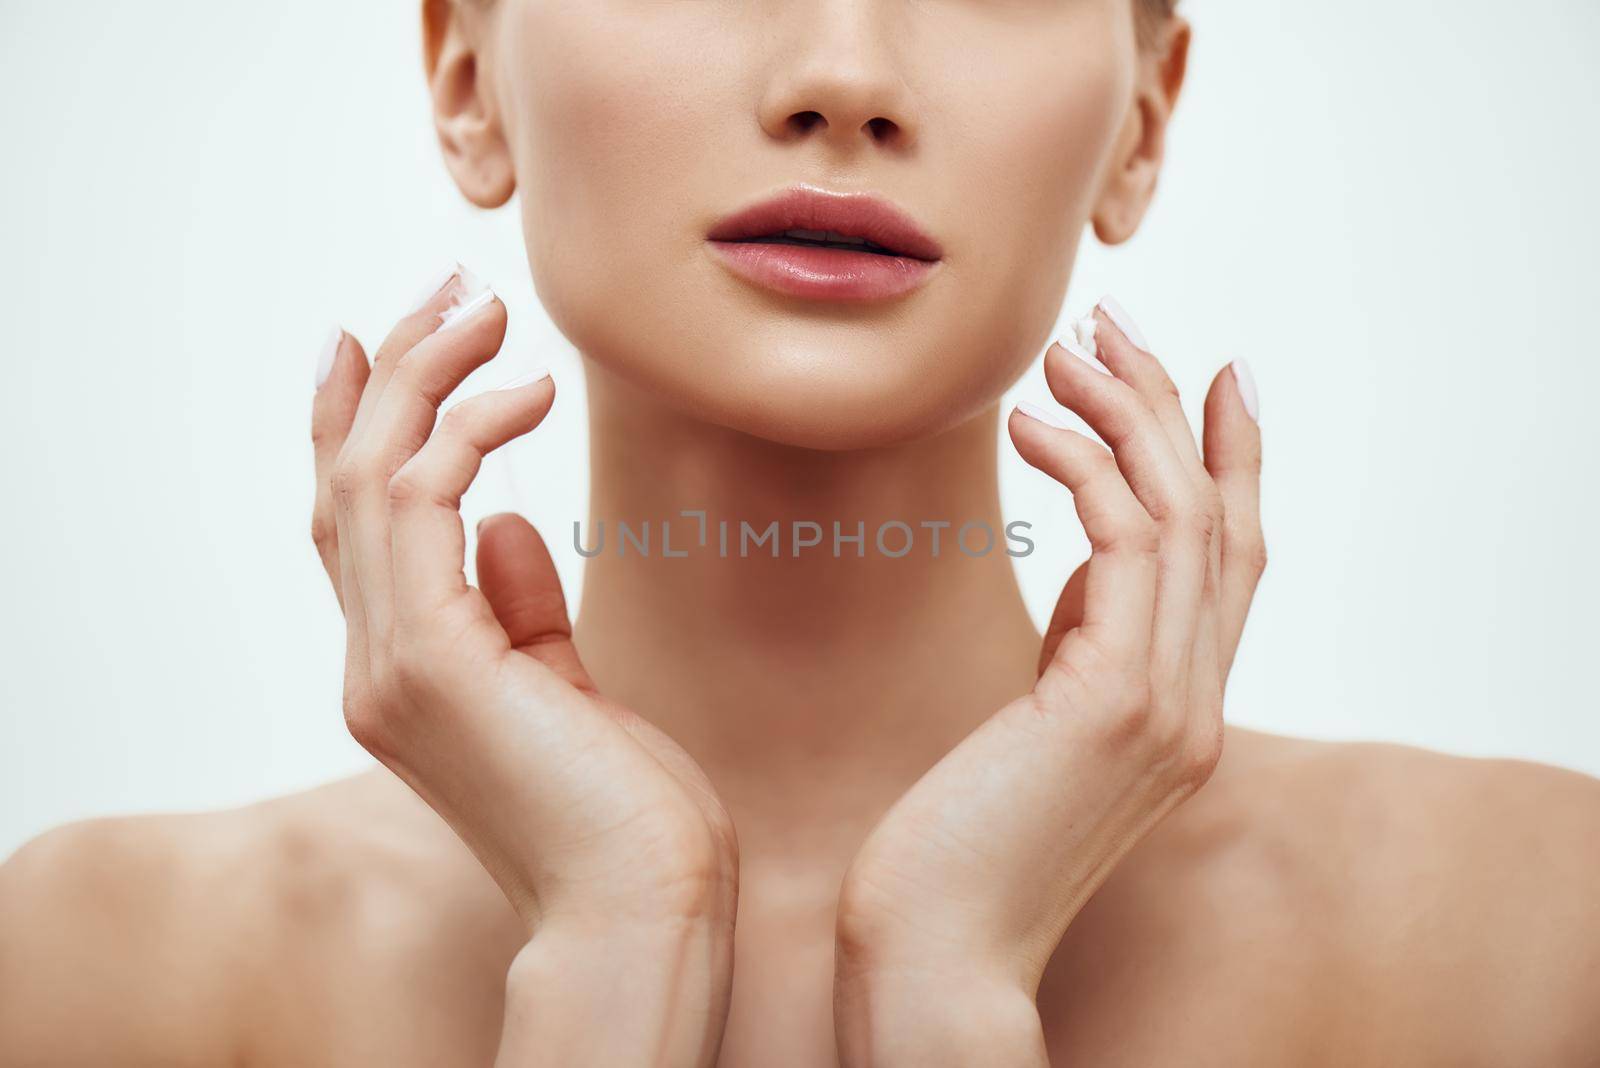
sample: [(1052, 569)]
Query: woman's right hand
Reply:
[(598, 828)]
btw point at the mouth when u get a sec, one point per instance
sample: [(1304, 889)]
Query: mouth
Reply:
[(820, 239), (814, 243)]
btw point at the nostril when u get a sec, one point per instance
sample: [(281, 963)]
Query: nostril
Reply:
[(882, 129), (805, 121)]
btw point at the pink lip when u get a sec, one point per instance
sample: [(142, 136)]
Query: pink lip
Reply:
[(821, 273)]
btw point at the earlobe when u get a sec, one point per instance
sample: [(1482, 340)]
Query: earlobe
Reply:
[(1141, 148), (464, 115), (1130, 185)]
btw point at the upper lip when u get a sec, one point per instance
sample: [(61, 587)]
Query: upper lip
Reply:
[(805, 207)]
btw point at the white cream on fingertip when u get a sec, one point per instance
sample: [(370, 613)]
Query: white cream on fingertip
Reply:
[(1083, 333), (435, 284), (1048, 418), (1246, 381), (330, 352), (466, 302)]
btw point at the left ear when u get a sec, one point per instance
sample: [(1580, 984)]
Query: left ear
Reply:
[(1141, 147), (464, 111)]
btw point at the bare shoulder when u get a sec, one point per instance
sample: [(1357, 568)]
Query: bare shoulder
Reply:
[(105, 926), (1346, 904), (1459, 896), (182, 939)]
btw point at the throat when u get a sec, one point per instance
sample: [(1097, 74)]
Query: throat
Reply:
[(775, 671)]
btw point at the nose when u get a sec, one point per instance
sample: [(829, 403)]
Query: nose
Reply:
[(834, 75)]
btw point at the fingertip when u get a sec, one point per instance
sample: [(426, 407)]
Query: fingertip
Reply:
[(531, 378), (1223, 400), (1245, 382), (328, 353), (1032, 413), (1231, 434), (493, 519)]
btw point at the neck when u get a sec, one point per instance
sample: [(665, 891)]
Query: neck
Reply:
[(845, 672)]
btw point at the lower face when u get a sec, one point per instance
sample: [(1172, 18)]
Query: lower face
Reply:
[(636, 125)]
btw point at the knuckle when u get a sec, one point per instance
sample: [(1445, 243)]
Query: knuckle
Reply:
[(324, 534), (1194, 519), (1201, 753), (455, 420), (1255, 553), (351, 473), (1141, 534), (1129, 711), (363, 717), (404, 488), (344, 480), (1165, 387), (323, 435), (406, 670), (404, 366)]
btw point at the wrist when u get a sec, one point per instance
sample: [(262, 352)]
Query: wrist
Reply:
[(893, 1017), (598, 899), (620, 994)]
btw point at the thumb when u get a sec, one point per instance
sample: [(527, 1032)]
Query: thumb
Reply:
[(1068, 614), (519, 580)]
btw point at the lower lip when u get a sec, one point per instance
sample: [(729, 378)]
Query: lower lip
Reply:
[(817, 273)]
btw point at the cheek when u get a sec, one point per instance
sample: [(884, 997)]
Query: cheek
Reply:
[(1040, 157), (1035, 135), (612, 125)]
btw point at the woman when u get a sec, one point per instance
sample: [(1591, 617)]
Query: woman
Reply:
[(956, 843)]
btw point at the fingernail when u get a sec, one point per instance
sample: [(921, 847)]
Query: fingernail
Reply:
[(469, 297), (434, 285), (330, 350), (1247, 388), (1048, 418), (525, 380), (1117, 314), (1072, 346)]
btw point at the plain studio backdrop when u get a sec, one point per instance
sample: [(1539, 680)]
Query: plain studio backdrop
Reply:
[(1386, 207)]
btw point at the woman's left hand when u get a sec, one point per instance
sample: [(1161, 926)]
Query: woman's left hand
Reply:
[(955, 903)]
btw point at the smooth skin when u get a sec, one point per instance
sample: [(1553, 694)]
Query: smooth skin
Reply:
[(958, 841)]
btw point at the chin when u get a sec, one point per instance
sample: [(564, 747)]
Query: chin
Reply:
[(801, 374), (816, 385)]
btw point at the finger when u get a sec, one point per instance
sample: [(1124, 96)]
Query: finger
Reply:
[(445, 297), (1233, 457), (1183, 514), (425, 494), (342, 375), (1119, 587), (1115, 411), (398, 423), (1132, 361), (1068, 614), (519, 580), (1141, 370)]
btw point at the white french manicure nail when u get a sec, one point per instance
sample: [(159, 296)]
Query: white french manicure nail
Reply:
[(1072, 346), (1247, 388), (1117, 314), (330, 350), (1048, 418), (525, 380), (439, 280), (465, 304)]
